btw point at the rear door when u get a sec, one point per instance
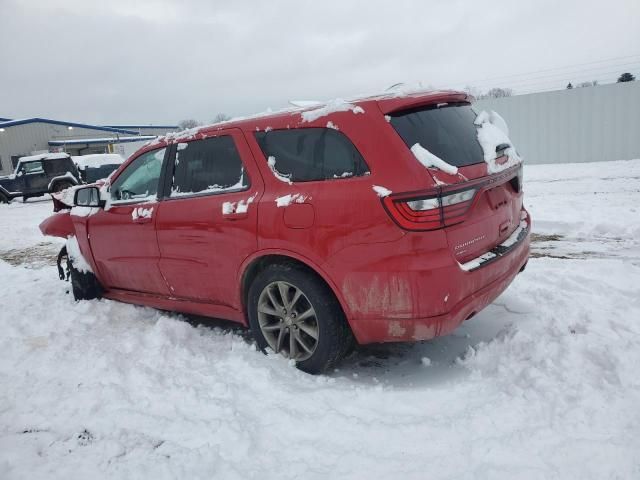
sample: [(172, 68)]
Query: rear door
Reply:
[(207, 221), (122, 236), (480, 209)]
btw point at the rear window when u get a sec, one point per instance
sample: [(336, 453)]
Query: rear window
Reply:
[(307, 154), (447, 132)]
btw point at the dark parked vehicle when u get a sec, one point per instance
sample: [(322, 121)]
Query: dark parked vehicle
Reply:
[(97, 166), (37, 175)]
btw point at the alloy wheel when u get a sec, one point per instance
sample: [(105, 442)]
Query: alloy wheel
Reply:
[(288, 321)]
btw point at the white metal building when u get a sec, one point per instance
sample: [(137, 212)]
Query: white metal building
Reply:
[(38, 135), (589, 124)]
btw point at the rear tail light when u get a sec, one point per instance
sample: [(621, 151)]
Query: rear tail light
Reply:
[(431, 211)]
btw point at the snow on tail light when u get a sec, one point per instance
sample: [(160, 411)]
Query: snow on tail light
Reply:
[(430, 211)]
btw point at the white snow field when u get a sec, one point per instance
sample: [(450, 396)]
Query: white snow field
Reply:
[(543, 384)]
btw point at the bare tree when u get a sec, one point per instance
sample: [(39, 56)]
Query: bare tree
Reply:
[(498, 92), (188, 123), (593, 83), (473, 91), (221, 117), (626, 77)]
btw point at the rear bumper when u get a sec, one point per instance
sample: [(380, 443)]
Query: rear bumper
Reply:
[(502, 270)]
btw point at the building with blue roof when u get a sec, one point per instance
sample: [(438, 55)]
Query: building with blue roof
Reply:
[(29, 136)]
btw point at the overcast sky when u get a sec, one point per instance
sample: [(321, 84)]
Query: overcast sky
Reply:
[(160, 61)]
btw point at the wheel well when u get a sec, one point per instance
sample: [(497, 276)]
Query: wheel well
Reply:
[(261, 263)]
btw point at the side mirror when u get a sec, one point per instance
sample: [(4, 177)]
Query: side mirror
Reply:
[(20, 173), (88, 197)]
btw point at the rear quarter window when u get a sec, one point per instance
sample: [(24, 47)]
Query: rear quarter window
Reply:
[(447, 132), (308, 154)]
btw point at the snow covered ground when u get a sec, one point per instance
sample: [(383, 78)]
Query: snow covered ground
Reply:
[(543, 384)]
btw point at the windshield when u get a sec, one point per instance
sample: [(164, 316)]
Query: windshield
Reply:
[(448, 132)]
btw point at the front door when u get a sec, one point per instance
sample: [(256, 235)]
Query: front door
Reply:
[(206, 224), (122, 235)]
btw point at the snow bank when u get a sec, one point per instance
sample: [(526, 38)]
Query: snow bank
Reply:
[(75, 255), (337, 105), (493, 131), (429, 160), (541, 384), (381, 191)]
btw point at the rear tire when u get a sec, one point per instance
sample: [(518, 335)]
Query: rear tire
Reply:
[(287, 307), (3, 198), (85, 285)]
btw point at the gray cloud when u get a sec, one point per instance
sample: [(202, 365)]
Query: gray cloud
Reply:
[(161, 61)]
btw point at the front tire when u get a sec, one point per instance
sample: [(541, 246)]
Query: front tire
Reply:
[(85, 285), (292, 312)]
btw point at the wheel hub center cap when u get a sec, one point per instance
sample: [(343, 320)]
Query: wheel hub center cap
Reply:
[(288, 322)]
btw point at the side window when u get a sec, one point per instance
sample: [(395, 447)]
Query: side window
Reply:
[(57, 166), (307, 154), (208, 166), (31, 167), (140, 179)]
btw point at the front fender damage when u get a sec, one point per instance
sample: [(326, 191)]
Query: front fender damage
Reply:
[(58, 225)]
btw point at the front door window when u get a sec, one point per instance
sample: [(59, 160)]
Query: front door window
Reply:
[(139, 182)]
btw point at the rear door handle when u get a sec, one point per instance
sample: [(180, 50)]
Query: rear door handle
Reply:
[(235, 216), (504, 227)]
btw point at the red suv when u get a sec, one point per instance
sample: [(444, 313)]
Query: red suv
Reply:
[(390, 218)]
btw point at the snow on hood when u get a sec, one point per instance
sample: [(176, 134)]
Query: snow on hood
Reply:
[(493, 131), (97, 160)]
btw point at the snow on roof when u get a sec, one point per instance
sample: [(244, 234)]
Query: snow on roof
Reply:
[(312, 110), (43, 156), (97, 160), (337, 105)]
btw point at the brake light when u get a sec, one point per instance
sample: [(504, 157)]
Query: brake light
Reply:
[(431, 211)]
